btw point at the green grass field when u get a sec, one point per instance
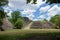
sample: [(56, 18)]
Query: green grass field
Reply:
[(23, 33)]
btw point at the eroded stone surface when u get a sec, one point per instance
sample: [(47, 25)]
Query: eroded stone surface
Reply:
[(7, 24), (38, 24)]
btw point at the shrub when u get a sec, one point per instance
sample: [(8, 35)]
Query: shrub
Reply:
[(19, 23), (1, 22), (57, 27)]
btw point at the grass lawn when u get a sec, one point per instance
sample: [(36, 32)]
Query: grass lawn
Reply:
[(24, 33)]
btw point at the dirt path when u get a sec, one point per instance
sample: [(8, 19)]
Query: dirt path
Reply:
[(28, 26)]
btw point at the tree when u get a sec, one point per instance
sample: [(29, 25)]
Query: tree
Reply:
[(45, 20), (2, 13), (15, 15), (16, 19), (48, 1), (28, 1), (3, 2), (53, 1), (56, 20), (19, 23), (34, 1)]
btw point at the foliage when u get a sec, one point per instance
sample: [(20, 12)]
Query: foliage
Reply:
[(56, 20), (53, 1), (19, 23), (34, 1), (1, 22), (2, 13), (15, 15), (48, 1), (16, 19), (3, 2), (45, 20)]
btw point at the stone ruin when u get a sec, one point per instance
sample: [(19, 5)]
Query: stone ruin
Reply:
[(6, 24), (42, 25), (26, 21)]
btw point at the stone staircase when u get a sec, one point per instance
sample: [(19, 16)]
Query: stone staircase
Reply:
[(39, 25), (28, 26), (42, 25)]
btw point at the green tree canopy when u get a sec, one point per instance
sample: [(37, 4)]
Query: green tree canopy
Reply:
[(56, 20), (53, 1), (28, 1), (19, 23), (3, 2), (2, 13), (48, 1), (15, 15), (16, 19)]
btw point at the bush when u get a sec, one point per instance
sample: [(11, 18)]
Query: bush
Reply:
[(57, 27), (1, 22), (56, 20), (19, 23)]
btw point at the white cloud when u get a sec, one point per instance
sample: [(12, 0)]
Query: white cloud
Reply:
[(40, 2), (7, 10), (10, 5), (35, 19), (31, 16), (54, 8), (44, 9), (21, 4), (9, 14), (28, 11), (53, 11), (48, 18), (42, 16)]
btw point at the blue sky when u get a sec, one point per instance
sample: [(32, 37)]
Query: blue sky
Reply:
[(38, 11)]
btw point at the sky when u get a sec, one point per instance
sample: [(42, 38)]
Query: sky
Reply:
[(38, 11)]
